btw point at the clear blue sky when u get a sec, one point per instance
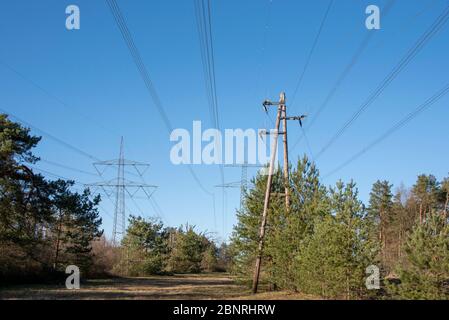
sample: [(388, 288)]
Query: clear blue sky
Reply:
[(92, 72)]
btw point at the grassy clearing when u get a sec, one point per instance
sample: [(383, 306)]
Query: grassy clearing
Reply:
[(194, 287)]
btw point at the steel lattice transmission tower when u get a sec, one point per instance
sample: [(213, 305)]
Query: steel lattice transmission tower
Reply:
[(243, 183), (121, 186)]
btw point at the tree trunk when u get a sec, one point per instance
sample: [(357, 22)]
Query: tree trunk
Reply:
[(400, 241), (55, 265), (446, 204), (420, 214)]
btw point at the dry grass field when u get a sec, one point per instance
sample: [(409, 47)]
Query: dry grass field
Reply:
[(191, 287)]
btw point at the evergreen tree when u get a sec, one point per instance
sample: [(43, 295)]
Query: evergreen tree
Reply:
[(308, 201), (83, 227), (245, 236), (224, 257), (426, 274), (144, 248), (210, 259), (188, 251), (25, 205), (39, 219), (381, 212), (335, 256), (426, 193), (445, 191)]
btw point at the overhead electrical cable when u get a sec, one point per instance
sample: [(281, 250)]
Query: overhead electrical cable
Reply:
[(137, 59), (354, 59), (410, 55), (398, 125), (309, 56)]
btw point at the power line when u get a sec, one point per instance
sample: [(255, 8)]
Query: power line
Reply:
[(76, 182), (67, 167), (56, 98), (122, 186), (267, 25), (423, 40), (135, 54), (50, 136), (355, 58), (312, 49), (67, 145), (428, 103), (82, 184), (55, 139), (159, 212), (308, 143), (398, 31), (204, 25), (127, 37)]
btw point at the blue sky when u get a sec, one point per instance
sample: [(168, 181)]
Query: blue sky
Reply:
[(91, 71)]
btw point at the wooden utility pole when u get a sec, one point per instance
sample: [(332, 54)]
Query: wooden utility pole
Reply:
[(286, 171), (267, 198), (281, 115)]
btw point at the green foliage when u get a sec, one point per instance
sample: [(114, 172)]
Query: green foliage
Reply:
[(15, 144), (445, 195), (188, 251), (335, 256), (380, 203), (426, 192), (224, 257), (308, 202), (76, 225), (427, 272), (144, 248), (209, 261), (244, 240), (42, 223), (321, 245), (150, 248), (381, 214)]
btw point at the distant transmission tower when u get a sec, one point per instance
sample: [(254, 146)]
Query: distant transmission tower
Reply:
[(122, 186), (243, 183)]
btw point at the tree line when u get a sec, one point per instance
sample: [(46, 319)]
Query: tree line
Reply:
[(325, 242), (322, 245), (150, 248), (45, 226)]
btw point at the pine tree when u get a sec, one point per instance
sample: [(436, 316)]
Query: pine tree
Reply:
[(245, 236), (83, 227), (445, 190), (210, 259), (426, 192), (187, 253), (42, 223), (335, 256), (144, 248), (308, 201), (426, 274), (381, 212), (25, 204)]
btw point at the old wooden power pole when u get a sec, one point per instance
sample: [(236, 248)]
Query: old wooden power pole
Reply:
[(267, 194), (286, 171), (281, 115)]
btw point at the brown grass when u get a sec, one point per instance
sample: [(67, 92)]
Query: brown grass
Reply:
[(194, 287)]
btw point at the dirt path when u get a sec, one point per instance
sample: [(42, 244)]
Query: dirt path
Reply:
[(209, 286)]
